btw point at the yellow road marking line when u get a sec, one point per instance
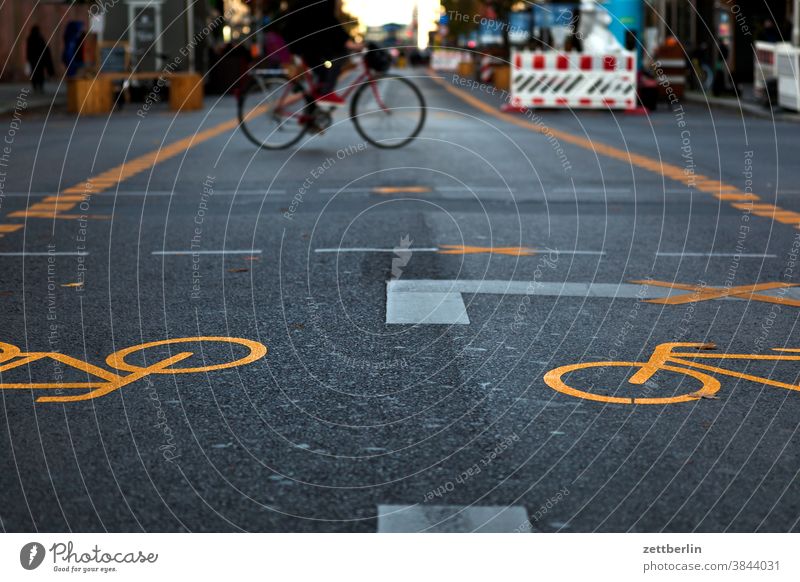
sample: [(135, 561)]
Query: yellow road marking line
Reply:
[(671, 171), (63, 198), (401, 190), (52, 207), (470, 250), (736, 196)]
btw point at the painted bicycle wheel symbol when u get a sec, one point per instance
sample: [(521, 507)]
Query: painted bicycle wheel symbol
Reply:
[(664, 358), (12, 357)]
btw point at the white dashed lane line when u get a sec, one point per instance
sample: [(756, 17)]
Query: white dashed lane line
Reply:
[(721, 255), (218, 252), (44, 254), (440, 250)]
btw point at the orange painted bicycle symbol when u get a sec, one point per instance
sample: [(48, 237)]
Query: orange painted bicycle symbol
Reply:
[(664, 358), (12, 357)]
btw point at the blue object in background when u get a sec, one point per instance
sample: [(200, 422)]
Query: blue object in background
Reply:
[(490, 32), (519, 26), (71, 55), (626, 16), (547, 15)]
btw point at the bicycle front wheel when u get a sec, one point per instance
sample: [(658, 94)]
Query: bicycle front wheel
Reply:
[(272, 114), (554, 379), (388, 111), (255, 351)]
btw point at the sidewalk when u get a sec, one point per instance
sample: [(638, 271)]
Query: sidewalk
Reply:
[(746, 104), (10, 92)]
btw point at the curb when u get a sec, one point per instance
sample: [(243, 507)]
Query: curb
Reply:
[(733, 104)]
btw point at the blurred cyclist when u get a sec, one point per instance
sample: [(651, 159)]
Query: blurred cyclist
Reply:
[(313, 31)]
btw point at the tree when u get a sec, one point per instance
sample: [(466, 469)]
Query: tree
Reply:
[(461, 17), (502, 9)]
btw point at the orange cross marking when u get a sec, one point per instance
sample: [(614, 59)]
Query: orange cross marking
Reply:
[(467, 250), (700, 293)]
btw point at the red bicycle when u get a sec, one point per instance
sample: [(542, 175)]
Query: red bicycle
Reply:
[(277, 108)]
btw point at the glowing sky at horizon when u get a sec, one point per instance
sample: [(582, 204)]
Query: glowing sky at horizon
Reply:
[(372, 13), (375, 13)]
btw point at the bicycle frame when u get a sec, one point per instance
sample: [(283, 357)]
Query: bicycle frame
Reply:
[(663, 355), (365, 75), (312, 92)]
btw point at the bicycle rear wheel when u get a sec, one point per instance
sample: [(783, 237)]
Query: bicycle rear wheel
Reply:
[(388, 111), (554, 378), (272, 114)]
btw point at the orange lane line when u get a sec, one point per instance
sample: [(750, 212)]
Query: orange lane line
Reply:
[(110, 178)]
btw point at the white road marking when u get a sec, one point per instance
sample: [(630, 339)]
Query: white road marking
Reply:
[(426, 308), (512, 189), (344, 190), (221, 252), (539, 251), (45, 254), (451, 518), (27, 194), (437, 249), (743, 255), (378, 250), (615, 190), (177, 194), (476, 189), (427, 301)]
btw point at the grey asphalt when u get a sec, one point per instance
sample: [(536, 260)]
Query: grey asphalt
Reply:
[(346, 414)]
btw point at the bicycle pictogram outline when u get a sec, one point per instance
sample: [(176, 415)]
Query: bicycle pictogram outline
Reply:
[(12, 357), (665, 358)]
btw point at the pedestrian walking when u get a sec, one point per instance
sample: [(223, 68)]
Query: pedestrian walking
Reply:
[(39, 58)]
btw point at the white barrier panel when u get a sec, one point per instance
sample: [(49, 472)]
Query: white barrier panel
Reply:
[(765, 65), (788, 64), (573, 80), (447, 59)]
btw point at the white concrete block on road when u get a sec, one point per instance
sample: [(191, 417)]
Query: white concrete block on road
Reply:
[(426, 308), (451, 518)]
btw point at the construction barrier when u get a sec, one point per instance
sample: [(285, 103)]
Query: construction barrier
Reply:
[(670, 68), (448, 59), (788, 64), (765, 66), (487, 64), (573, 80)]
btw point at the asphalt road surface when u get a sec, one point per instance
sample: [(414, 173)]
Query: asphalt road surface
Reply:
[(417, 307)]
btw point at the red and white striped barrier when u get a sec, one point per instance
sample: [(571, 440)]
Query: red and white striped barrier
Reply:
[(573, 80), (448, 59), (486, 69)]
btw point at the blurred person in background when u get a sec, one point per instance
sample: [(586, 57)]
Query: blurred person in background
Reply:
[(39, 59), (72, 56)]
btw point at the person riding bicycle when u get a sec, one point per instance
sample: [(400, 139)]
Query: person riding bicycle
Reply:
[(312, 31)]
